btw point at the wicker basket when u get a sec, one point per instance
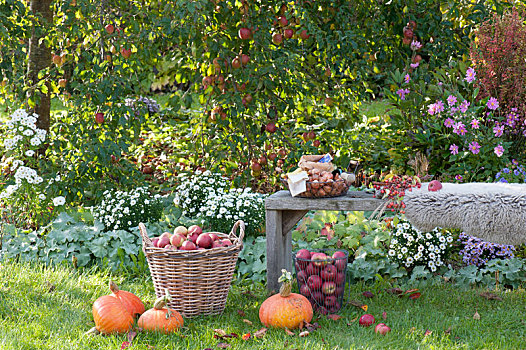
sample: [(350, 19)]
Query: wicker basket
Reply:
[(198, 280)]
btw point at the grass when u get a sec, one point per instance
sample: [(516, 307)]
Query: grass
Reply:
[(50, 308)]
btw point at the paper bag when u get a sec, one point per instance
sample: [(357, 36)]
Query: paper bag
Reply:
[(311, 162)]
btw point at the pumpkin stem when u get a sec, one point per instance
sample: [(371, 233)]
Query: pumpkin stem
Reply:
[(113, 287), (160, 303), (286, 287)]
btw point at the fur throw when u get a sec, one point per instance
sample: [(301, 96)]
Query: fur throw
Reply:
[(495, 212)]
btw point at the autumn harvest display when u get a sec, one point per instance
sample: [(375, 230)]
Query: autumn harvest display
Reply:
[(161, 318)]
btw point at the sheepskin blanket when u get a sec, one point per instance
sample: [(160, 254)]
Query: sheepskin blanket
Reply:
[(495, 212)]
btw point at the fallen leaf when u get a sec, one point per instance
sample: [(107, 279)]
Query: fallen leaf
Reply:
[(131, 336), (260, 333), (125, 344), (312, 326), (246, 336), (412, 330), (428, 332), (334, 317), (414, 296), (384, 315), (220, 332), (289, 332), (476, 316), (448, 331), (410, 291), (248, 321), (223, 345), (302, 323), (364, 308), (395, 291), (356, 303), (241, 313), (490, 296), (304, 333), (249, 294), (368, 294)]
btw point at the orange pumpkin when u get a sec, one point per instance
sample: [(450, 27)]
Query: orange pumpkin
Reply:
[(285, 309), (111, 316), (161, 318), (131, 302)]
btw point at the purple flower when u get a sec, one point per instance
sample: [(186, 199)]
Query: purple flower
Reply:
[(407, 78), (459, 177), (451, 100), (432, 108), (474, 147), (499, 150), (440, 106), (493, 104), (453, 110), (514, 162), (439, 83), (475, 124), (414, 65), (402, 93), (470, 75), (464, 106), (454, 149), (448, 123), (459, 128), (415, 45), (498, 130)]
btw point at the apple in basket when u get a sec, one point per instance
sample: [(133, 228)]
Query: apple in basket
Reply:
[(193, 237), (177, 240), (181, 230), (194, 229), (214, 236), (204, 240), (217, 244), (188, 245), (226, 242), (163, 241)]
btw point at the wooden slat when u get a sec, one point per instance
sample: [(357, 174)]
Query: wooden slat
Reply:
[(357, 201)]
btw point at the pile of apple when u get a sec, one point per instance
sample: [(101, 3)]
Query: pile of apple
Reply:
[(191, 238), (321, 278)]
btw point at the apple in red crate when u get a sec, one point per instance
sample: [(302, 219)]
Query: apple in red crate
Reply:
[(340, 279), (329, 273), (204, 241), (340, 260), (302, 277), (328, 288), (319, 259), (312, 270), (314, 282), (302, 257)]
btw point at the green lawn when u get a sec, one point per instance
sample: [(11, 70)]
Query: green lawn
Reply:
[(50, 308)]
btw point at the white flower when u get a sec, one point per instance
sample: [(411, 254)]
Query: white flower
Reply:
[(42, 196), (404, 250), (392, 252), (449, 239), (59, 201)]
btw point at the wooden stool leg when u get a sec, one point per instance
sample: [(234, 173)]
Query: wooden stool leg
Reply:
[(279, 247)]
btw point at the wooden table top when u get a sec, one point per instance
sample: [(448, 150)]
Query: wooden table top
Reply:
[(353, 201)]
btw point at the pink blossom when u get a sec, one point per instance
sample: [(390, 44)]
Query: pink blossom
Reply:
[(458, 177), (432, 108), (493, 103), (499, 150), (459, 128), (498, 130), (407, 78), (464, 106), (440, 106), (416, 45), (475, 123), (454, 149), (414, 65), (448, 123), (470, 75), (402, 93), (451, 100), (474, 147)]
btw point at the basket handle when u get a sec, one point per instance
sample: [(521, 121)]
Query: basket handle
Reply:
[(241, 226), (147, 242)]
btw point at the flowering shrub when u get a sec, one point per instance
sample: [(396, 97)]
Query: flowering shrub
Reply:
[(409, 247), (25, 194), (121, 210), (207, 196), (498, 56), (478, 252), (514, 173)]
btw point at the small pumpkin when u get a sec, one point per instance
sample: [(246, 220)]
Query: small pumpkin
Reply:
[(161, 318), (131, 302), (111, 316), (285, 309)]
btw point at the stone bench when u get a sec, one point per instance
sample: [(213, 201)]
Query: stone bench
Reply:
[(284, 211)]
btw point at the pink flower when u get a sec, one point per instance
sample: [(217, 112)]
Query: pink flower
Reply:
[(459, 128), (499, 150), (493, 103), (414, 65), (451, 100), (432, 108), (440, 106), (475, 124), (402, 93), (407, 78), (464, 106), (459, 177), (415, 45), (498, 130), (454, 149), (470, 75), (448, 123), (474, 147)]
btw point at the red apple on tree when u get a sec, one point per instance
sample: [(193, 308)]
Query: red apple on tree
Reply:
[(282, 152), (289, 33), (109, 28), (99, 118), (245, 59), (304, 35), (244, 33), (126, 53), (248, 98), (255, 166), (329, 102), (236, 63), (277, 39), (311, 135), (316, 143), (263, 160), (272, 156), (57, 60), (271, 127), (283, 21)]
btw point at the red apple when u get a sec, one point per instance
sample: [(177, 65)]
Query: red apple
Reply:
[(245, 59), (319, 259), (99, 118), (195, 229), (328, 288), (382, 328), (289, 33), (163, 242), (226, 242), (304, 35), (56, 59), (62, 82), (177, 240), (283, 21), (329, 102), (277, 39), (282, 152), (340, 260), (329, 273), (316, 143), (236, 63), (366, 320), (109, 28), (181, 230), (155, 242), (217, 244), (304, 290), (255, 166), (126, 53), (339, 291), (311, 135), (271, 128), (303, 257), (312, 270), (263, 160), (317, 296), (214, 236), (434, 186), (339, 278), (323, 310), (188, 245), (204, 241), (166, 234), (244, 33), (302, 276), (248, 98), (314, 282)]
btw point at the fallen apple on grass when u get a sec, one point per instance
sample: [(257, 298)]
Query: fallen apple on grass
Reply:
[(382, 328), (366, 320)]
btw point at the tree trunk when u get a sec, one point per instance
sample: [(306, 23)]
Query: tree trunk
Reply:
[(40, 58)]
